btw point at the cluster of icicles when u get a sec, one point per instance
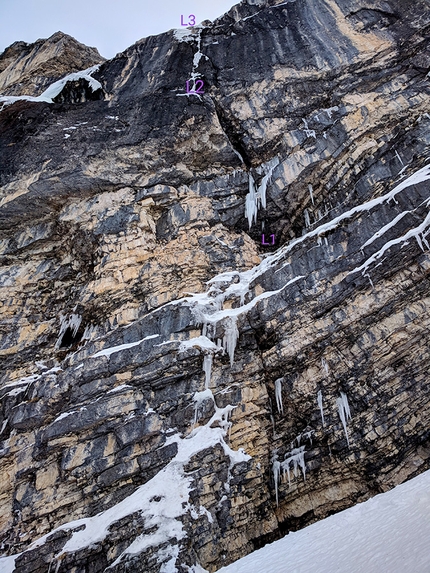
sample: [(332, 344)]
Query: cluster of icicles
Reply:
[(255, 197), (295, 458)]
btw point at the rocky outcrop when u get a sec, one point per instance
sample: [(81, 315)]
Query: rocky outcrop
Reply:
[(145, 427), (27, 69)]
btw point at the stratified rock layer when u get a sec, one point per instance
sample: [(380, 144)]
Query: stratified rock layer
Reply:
[(27, 69), (145, 427)]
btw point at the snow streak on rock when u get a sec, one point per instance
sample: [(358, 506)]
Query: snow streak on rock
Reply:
[(54, 89), (162, 500)]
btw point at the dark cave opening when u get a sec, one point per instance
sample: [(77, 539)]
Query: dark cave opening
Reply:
[(69, 339)]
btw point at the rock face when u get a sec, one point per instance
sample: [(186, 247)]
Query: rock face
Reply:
[(27, 69), (145, 428)]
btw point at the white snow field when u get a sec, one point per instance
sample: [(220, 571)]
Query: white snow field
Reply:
[(389, 533)]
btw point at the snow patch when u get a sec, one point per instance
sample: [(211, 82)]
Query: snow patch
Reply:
[(386, 534), (202, 342), (7, 564), (54, 89), (119, 388), (64, 415), (108, 351)]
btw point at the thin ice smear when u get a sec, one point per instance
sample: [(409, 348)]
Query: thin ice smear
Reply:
[(276, 469), (278, 394), (320, 406), (231, 334), (207, 368)]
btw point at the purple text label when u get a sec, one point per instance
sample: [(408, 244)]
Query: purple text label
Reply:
[(191, 20)]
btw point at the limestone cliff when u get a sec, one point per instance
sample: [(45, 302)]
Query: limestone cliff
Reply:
[(30, 68), (175, 393)]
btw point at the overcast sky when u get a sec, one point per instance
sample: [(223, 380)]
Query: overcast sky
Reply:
[(109, 25)]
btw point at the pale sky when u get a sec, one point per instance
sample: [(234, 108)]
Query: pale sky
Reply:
[(109, 25)]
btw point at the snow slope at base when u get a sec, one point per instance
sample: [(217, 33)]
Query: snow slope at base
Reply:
[(389, 533)]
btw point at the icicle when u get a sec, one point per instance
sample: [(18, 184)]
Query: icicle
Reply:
[(251, 202), (3, 426), (207, 368), (297, 459), (308, 435), (311, 193), (278, 394), (276, 468), (344, 412), (272, 419), (307, 218), (324, 365), (254, 196), (89, 332), (231, 334), (73, 323), (263, 185), (399, 158), (320, 405)]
